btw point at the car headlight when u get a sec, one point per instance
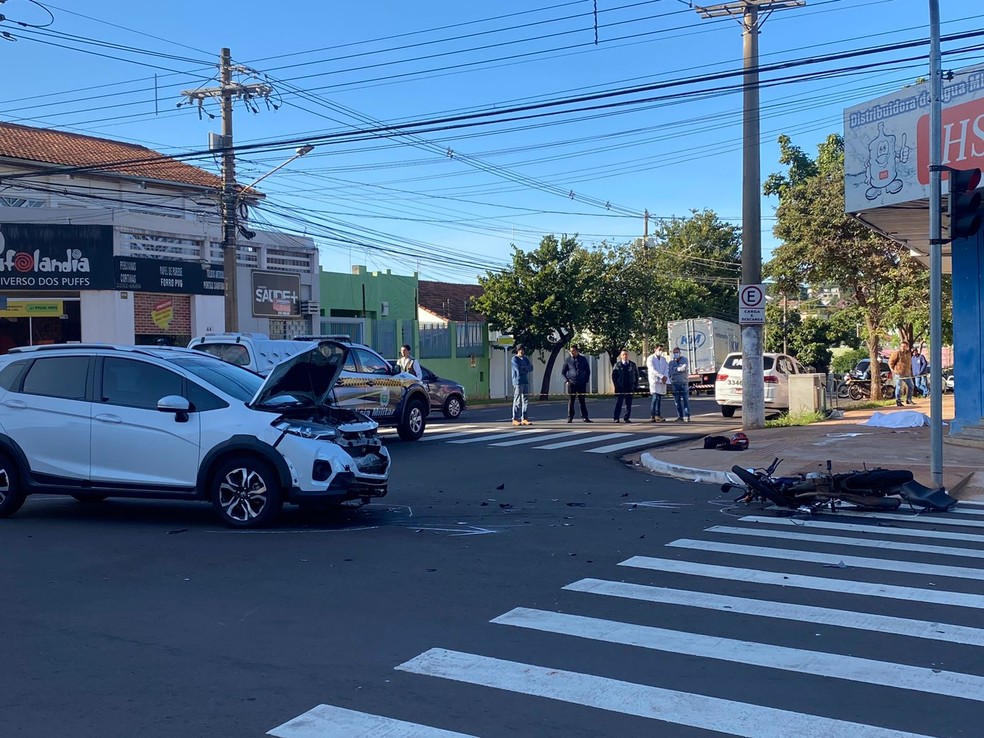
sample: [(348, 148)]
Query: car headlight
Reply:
[(305, 429)]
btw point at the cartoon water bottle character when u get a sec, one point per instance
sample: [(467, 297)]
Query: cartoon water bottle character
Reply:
[(883, 176)]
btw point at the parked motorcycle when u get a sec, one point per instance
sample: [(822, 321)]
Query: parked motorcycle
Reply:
[(871, 489), (860, 389)]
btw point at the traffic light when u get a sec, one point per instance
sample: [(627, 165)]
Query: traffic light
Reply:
[(965, 203)]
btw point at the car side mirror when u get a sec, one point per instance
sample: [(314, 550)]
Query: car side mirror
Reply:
[(176, 404)]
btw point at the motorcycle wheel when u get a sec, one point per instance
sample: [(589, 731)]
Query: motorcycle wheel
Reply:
[(855, 392), (844, 391), (762, 486)]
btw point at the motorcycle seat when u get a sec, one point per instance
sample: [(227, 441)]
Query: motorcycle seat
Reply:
[(877, 480), (926, 497)]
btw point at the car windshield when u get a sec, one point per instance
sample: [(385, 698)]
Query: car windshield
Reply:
[(235, 381)]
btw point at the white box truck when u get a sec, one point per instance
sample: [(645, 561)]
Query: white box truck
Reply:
[(706, 342)]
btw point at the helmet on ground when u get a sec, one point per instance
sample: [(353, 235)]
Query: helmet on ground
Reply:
[(738, 442)]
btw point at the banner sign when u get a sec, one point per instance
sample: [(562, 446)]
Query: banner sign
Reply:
[(178, 277), (31, 308), (276, 295), (886, 141), (36, 256)]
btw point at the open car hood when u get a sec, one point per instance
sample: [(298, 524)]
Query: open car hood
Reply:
[(304, 379)]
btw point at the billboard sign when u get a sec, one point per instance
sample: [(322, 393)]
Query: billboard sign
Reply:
[(40, 256), (174, 277), (276, 295), (886, 141)]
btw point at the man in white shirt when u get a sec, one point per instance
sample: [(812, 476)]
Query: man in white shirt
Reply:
[(407, 363), (657, 372)]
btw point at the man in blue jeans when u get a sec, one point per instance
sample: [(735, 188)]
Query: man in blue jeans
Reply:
[(522, 368), (680, 382)]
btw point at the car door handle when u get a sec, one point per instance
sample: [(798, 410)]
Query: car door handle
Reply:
[(371, 382), (16, 404), (107, 418)]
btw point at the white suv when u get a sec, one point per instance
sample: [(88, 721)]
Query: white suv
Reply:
[(776, 370), (158, 422)]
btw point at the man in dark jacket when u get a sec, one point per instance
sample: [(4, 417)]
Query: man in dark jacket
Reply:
[(625, 377), (577, 373)]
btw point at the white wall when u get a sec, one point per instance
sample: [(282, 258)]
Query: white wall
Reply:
[(500, 372), (207, 314), (107, 317)]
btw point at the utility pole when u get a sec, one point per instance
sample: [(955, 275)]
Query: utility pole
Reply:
[(935, 248), (747, 13), (227, 92)]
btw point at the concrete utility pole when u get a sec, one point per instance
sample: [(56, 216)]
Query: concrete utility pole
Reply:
[(935, 248), (747, 13), (227, 92)]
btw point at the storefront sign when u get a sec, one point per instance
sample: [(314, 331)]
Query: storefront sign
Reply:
[(163, 313), (276, 295), (55, 257), (177, 277), (32, 309)]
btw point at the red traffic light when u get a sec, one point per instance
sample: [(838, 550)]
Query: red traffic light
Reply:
[(965, 203), (964, 180)]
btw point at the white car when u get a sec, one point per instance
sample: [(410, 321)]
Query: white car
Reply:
[(776, 371), (95, 421)]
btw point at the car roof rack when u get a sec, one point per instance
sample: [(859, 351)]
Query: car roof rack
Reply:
[(325, 337), (63, 347)]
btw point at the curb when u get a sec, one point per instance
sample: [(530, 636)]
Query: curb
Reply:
[(690, 474)]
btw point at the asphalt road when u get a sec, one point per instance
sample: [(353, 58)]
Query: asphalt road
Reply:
[(500, 590)]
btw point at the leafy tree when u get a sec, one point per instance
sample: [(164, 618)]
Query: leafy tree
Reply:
[(823, 244), (544, 298)]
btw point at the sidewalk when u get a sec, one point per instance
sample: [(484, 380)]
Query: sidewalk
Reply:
[(846, 442)]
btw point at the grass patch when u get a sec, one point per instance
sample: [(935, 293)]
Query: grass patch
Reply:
[(870, 405), (789, 420)]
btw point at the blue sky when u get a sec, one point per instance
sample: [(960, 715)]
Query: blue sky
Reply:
[(450, 202)]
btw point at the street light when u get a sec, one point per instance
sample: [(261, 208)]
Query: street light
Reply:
[(230, 227)]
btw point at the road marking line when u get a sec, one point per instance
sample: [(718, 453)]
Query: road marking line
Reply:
[(816, 557), (328, 721), (589, 439), (650, 440), (801, 661), (882, 530), (844, 541), (670, 706), (538, 439), (445, 436), (917, 518), (802, 581), (491, 437), (784, 611)]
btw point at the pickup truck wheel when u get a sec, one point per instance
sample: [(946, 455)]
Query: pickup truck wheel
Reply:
[(12, 495), (453, 407), (728, 411), (246, 493), (411, 427)]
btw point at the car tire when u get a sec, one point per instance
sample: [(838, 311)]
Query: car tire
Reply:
[(728, 411), (12, 494), (246, 492), (453, 407), (89, 498), (411, 426)]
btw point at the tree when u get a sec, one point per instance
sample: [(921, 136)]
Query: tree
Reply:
[(823, 244), (543, 299)]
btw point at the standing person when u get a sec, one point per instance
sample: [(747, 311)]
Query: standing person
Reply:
[(919, 369), (900, 362), (407, 363), (657, 371), (625, 377), (576, 373), (522, 368), (680, 381)]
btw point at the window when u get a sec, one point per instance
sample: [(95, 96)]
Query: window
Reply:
[(20, 202), (138, 384), (233, 353), (61, 376), (10, 374), (371, 363)]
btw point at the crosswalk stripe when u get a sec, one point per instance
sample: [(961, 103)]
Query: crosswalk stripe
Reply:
[(644, 441), (538, 439), (491, 437), (445, 436), (881, 530), (970, 503), (844, 541), (328, 721), (580, 441), (802, 581), (784, 611), (917, 518), (670, 706), (802, 661), (816, 557), (964, 509)]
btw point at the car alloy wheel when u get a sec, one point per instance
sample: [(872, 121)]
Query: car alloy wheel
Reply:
[(452, 407), (246, 493), (412, 427), (11, 495)]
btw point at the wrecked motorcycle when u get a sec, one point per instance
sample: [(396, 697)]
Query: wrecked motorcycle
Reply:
[(871, 489)]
